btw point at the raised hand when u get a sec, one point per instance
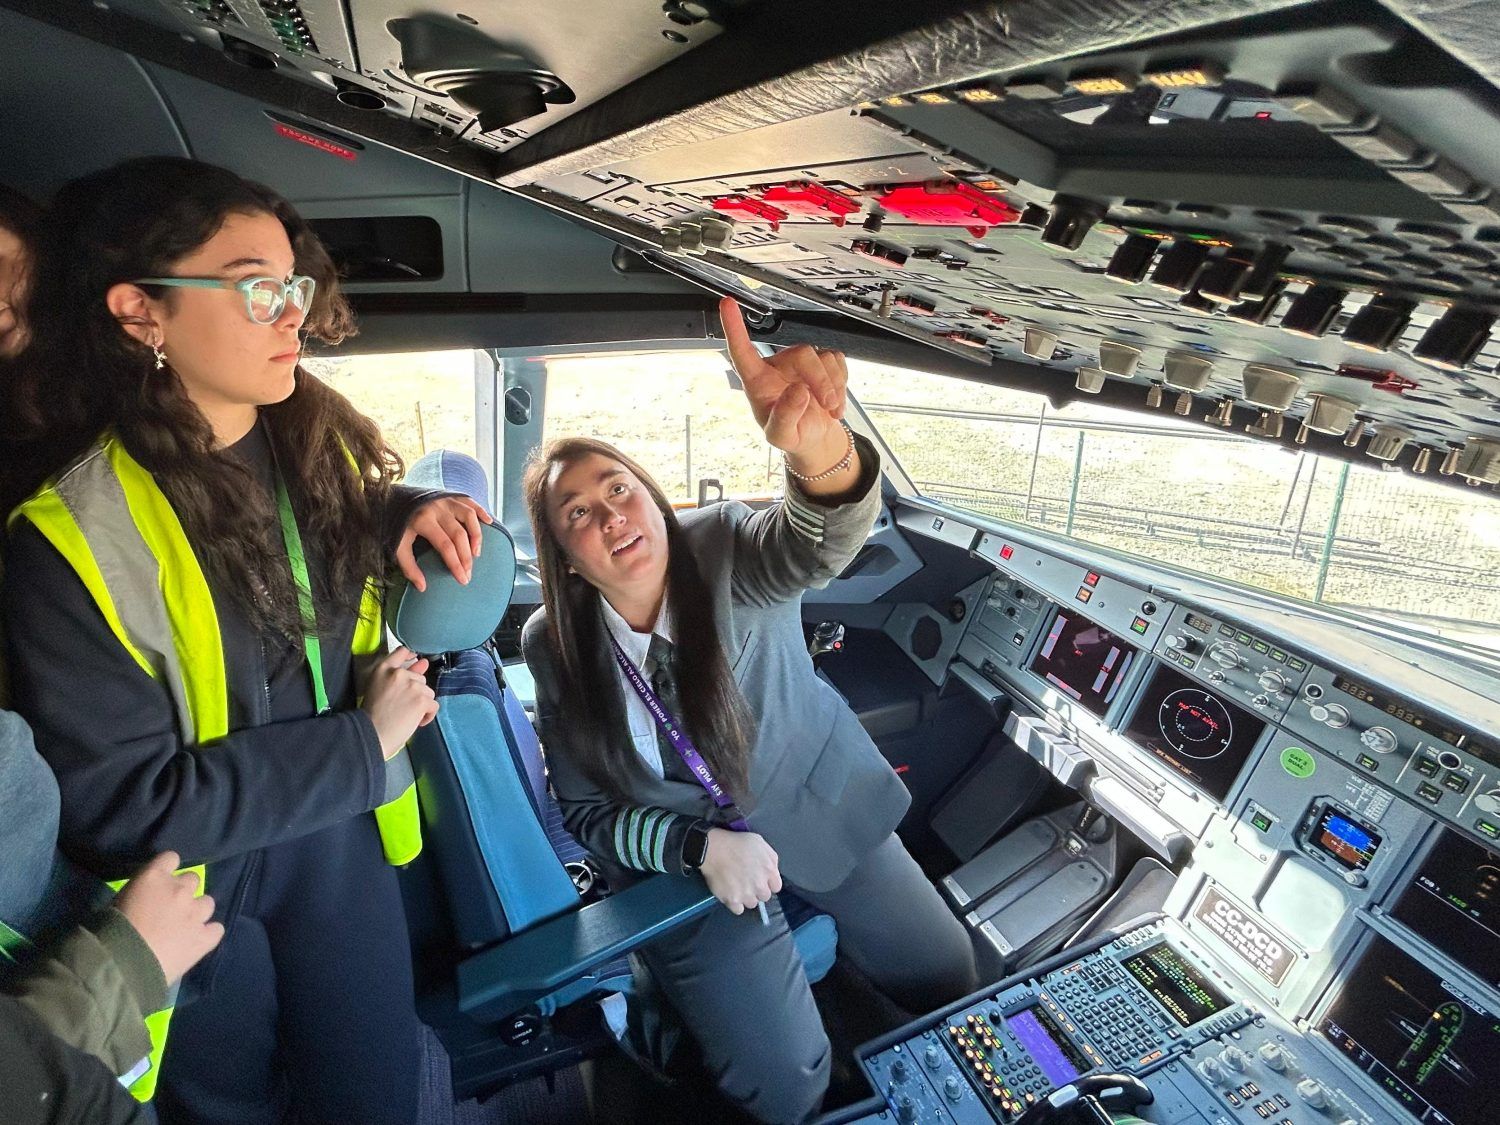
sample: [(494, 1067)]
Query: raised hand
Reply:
[(797, 395)]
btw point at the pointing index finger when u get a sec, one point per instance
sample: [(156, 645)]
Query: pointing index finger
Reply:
[(737, 338)]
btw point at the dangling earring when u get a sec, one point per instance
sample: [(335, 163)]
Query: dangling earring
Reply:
[(161, 356)]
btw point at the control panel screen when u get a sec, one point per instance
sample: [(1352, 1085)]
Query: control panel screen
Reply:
[(1201, 735), (1053, 1051), (1343, 839), (1086, 662), (1454, 902), (1184, 993), (1432, 1049)]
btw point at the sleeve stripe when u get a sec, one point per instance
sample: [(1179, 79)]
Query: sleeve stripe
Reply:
[(803, 516), (641, 837)]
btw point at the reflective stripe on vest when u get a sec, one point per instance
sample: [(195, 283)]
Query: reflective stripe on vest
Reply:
[(108, 518)]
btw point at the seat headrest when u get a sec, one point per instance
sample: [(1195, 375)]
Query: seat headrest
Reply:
[(448, 617)]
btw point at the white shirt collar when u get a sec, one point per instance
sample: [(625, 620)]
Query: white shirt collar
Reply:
[(636, 645)]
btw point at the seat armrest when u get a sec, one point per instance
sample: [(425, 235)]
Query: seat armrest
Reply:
[(523, 968)]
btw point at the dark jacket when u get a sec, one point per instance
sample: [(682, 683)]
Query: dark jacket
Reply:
[(130, 789), (44, 1081), (820, 792), (92, 985)]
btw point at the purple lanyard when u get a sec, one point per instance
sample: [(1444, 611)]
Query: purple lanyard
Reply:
[(677, 737)]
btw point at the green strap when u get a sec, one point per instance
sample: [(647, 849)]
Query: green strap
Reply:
[(12, 943), (292, 537)]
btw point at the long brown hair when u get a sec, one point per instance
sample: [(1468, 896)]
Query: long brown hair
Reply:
[(83, 374), (714, 711)]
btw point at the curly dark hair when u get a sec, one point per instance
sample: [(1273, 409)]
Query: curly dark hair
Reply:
[(83, 374)]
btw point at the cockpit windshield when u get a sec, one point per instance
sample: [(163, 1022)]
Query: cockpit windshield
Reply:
[(1412, 552)]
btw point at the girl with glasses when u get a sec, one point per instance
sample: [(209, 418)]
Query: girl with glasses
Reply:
[(192, 613)]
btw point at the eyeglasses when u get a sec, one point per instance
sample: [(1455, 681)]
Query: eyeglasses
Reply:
[(265, 297)]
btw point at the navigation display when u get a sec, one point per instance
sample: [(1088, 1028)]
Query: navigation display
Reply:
[(1086, 662), (1199, 734), (1053, 1051), (1184, 993), (1454, 902), (1432, 1049)]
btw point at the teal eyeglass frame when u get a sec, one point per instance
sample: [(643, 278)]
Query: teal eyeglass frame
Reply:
[(284, 289)]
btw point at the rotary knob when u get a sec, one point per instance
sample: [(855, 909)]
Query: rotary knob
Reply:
[(1225, 656), (1233, 1059), (1330, 714), (933, 1057), (1488, 802), (1180, 642), (1380, 740), (953, 1089), (1311, 1091), (1274, 682), (1273, 1056), (1211, 1070), (906, 1109), (899, 1073)]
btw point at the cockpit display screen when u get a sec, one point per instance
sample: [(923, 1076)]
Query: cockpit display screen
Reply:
[(1199, 734), (1086, 662), (1059, 1061), (1427, 1044), (1175, 983), (1454, 902)]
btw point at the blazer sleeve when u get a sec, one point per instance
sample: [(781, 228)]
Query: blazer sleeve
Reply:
[(130, 788), (801, 542), (636, 837)]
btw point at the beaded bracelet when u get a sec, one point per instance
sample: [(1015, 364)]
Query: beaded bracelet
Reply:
[(844, 462)]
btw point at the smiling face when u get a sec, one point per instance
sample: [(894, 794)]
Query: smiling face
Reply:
[(611, 531), (228, 364)]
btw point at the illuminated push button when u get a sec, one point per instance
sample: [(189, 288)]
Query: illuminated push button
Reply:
[(1273, 1056), (1311, 1091)]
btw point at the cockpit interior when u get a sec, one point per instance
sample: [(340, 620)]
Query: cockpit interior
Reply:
[(1173, 323)]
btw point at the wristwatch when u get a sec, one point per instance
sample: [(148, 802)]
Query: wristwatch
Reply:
[(694, 846)]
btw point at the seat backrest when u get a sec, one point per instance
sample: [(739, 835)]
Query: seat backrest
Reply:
[(480, 779)]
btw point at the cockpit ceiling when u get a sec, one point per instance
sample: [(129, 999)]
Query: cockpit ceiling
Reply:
[(1282, 217)]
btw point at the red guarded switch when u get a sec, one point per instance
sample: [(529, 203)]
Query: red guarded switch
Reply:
[(802, 197), (749, 210), (949, 203)]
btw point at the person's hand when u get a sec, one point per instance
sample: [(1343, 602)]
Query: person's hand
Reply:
[(160, 904), (741, 869), (451, 525), (398, 700), (797, 395)]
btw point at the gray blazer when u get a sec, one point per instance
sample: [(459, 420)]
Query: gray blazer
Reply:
[(820, 792)]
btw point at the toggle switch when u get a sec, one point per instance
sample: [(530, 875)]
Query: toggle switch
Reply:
[(1070, 222)]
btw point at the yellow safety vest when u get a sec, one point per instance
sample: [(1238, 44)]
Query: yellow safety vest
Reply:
[(106, 515)]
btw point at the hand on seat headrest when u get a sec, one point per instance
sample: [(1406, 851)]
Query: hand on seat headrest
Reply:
[(448, 617)]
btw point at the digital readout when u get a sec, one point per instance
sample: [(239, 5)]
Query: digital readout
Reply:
[(1202, 624), (1346, 842), (1429, 724)]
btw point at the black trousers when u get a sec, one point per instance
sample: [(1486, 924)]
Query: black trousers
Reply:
[(740, 989), (310, 1007)]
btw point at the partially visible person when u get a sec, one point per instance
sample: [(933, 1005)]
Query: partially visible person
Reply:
[(19, 218)]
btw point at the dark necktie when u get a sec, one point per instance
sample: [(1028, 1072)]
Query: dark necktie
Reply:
[(658, 670)]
